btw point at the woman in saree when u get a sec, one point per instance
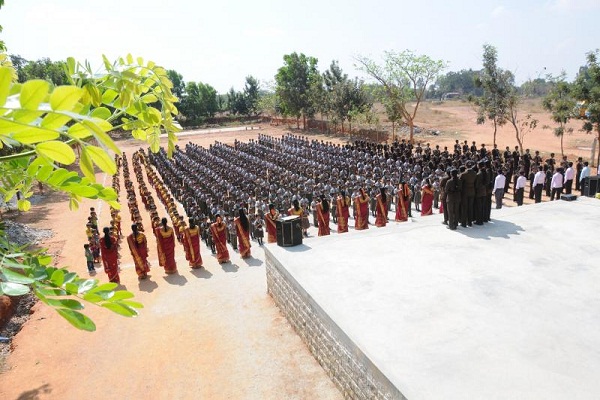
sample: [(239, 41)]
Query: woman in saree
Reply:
[(402, 202), (138, 246), (362, 211), (323, 216), (343, 211), (427, 199), (381, 208), (110, 256), (219, 234), (165, 243), (242, 229)]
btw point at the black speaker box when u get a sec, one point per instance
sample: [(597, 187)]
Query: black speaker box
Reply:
[(289, 231), (591, 186), (568, 197)]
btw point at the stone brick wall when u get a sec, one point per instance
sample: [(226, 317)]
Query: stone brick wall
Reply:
[(347, 366)]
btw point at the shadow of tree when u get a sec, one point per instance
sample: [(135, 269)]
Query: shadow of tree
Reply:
[(34, 394)]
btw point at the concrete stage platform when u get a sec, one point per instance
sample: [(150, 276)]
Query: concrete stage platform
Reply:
[(510, 310)]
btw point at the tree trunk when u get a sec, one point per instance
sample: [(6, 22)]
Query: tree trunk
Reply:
[(393, 131), (562, 151), (495, 129), (411, 125), (304, 121), (519, 139), (598, 156), (298, 122), (342, 127)]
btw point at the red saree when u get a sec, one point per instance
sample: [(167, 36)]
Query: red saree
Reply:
[(165, 241), (402, 204), (271, 227), (380, 212), (243, 239), (323, 219), (219, 235), (362, 213), (191, 244), (139, 251), (343, 213), (427, 201), (110, 259)]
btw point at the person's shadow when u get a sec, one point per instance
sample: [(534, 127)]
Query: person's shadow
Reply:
[(495, 229), (252, 262), (202, 273), (175, 279), (229, 267), (146, 285), (34, 394)]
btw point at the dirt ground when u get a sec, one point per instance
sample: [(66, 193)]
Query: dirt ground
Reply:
[(207, 334)]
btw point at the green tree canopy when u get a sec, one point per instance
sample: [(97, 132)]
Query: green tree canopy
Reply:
[(587, 88), (560, 102), (404, 78)]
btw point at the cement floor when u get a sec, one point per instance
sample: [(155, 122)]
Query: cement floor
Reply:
[(510, 310)]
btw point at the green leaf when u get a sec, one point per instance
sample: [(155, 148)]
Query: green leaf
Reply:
[(108, 194), (120, 309), (80, 190), (109, 96), (129, 59), (93, 298), (77, 319), (13, 289), (57, 151), (65, 97), (58, 277), (24, 205), (55, 121), (149, 98), (44, 260), (85, 163), (33, 92), (121, 295), (72, 288), (105, 287), (101, 113), (52, 291), (35, 135), (133, 304), (73, 204), (79, 131), (5, 80), (67, 303), (102, 137), (102, 159), (15, 277), (87, 285)]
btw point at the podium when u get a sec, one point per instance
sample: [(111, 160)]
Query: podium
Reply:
[(289, 231)]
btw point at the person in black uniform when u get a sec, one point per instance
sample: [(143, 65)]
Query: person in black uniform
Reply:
[(480, 192), (453, 195), (468, 178)]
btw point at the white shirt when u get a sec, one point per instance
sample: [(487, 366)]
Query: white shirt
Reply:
[(500, 182), (539, 178), (585, 172), (557, 181), (569, 174), (521, 182)]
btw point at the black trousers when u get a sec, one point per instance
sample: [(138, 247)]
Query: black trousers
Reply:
[(568, 186), (467, 205), (537, 189), (453, 213), (519, 194), (479, 205), (557, 192)]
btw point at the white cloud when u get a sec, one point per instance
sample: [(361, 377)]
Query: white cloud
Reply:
[(499, 11)]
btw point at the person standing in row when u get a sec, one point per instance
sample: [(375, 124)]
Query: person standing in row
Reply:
[(138, 246), (538, 185), (585, 173), (556, 185), (453, 195), (426, 199), (569, 176), (520, 188), (481, 179), (361, 204), (219, 234), (323, 216), (468, 178), (242, 228), (343, 211), (110, 256), (165, 243), (191, 244), (499, 185), (270, 219), (381, 208), (402, 202)]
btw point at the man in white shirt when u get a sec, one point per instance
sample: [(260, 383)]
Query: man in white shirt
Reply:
[(585, 172), (498, 191), (556, 185), (569, 176), (538, 185), (520, 188)]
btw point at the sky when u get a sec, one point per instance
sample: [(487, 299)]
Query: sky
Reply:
[(221, 42)]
